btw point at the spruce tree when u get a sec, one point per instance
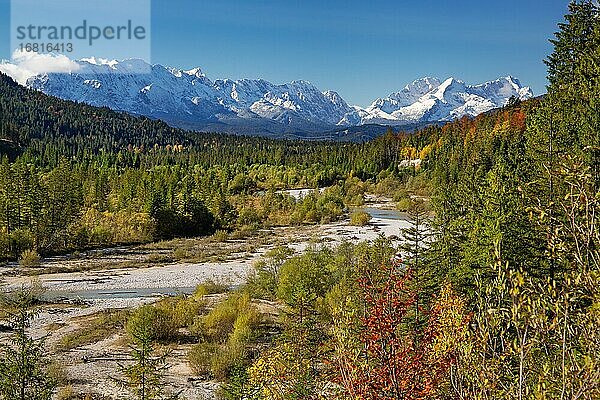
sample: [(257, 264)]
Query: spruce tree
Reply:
[(414, 249)]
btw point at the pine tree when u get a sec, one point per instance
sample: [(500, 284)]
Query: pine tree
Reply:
[(144, 377), (23, 359)]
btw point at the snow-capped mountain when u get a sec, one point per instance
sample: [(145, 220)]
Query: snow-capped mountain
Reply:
[(188, 99), (429, 100)]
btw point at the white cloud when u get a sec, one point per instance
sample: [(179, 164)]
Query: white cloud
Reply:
[(25, 64)]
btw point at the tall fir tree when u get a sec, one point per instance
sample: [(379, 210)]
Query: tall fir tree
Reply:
[(564, 134)]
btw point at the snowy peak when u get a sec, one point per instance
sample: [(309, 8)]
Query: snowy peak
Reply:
[(432, 100), (504, 87), (335, 98), (196, 72), (449, 87), (100, 61), (304, 99), (407, 96), (188, 98), (414, 90)]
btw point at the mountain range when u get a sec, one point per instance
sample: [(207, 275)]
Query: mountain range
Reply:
[(188, 99)]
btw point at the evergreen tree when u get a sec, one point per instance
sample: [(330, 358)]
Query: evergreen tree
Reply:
[(23, 358), (144, 377), (564, 135), (414, 247)]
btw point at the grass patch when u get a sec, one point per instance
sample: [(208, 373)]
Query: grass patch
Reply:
[(54, 326), (403, 204), (159, 323), (211, 287), (158, 258), (204, 250), (220, 236), (94, 328)]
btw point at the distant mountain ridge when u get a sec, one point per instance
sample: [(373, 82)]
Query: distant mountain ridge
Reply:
[(188, 99)]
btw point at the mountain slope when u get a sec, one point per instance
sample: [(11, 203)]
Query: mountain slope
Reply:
[(28, 116)]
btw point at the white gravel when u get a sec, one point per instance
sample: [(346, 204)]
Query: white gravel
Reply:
[(120, 287)]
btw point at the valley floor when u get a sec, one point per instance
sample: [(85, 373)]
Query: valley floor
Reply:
[(79, 287)]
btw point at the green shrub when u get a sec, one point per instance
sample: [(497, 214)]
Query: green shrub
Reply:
[(404, 204), (29, 259), (220, 236), (400, 194), (218, 324), (360, 218), (418, 185), (318, 207), (354, 190), (210, 359), (263, 283), (226, 358), (330, 205), (211, 287), (312, 216), (180, 253), (355, 200), (20, 240), (249, 216), (225, 333), (182, 311), (244, 326), (200, 356), (387, 185), (234, 315), (307, 276), (157, 323)]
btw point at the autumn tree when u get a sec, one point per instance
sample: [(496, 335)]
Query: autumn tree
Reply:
[(395, 362)]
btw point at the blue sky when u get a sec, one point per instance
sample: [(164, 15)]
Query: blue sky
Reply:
[(364, 50)]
